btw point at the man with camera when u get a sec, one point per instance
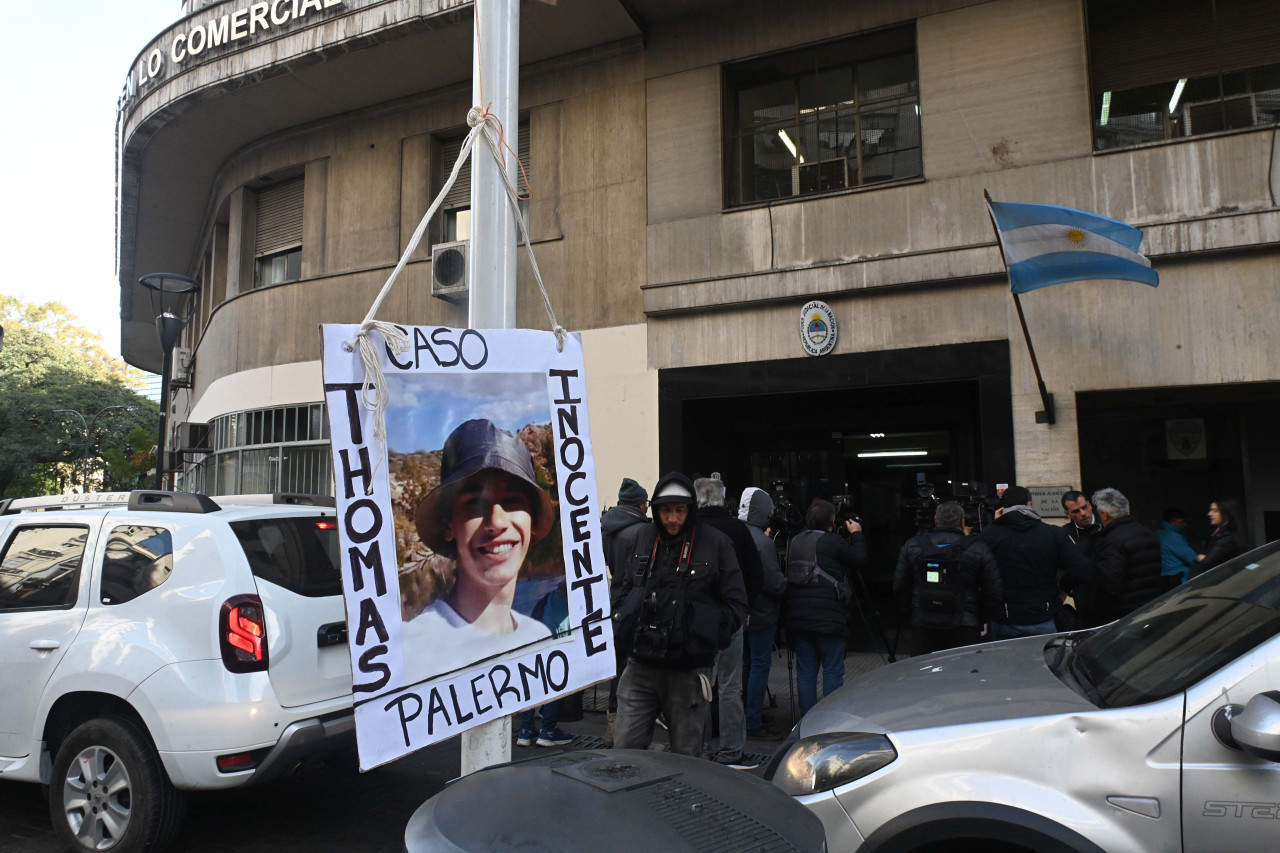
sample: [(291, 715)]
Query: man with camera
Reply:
[(680, 600), (951, 582)]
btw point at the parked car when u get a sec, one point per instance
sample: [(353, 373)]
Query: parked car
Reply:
[(160, 642), (1157, 732)]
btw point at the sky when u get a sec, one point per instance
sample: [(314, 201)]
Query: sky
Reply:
[(425, 407), (66, 64)]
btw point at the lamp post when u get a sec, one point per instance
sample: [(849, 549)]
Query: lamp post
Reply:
[(88, 435), (172, 301)]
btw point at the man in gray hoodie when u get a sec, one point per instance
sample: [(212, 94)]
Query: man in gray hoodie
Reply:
[(756, 508)]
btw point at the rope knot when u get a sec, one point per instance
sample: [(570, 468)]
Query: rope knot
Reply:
[(475, 116)]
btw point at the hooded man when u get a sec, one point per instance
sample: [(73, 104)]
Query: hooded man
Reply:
[(693, 600), (1030, 555), (755, 508), (619, 522), (728, 671)]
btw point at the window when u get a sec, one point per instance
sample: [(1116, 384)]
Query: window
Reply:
[(282, 449), (40, 568), (1179, 68), (137, 560), (299, 554), (277, 247), (456, 206), (839, 115)]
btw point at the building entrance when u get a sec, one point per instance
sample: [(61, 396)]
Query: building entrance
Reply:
[(877, 431), (1185, 447)]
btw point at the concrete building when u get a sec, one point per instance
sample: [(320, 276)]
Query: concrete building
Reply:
[(700, 170)]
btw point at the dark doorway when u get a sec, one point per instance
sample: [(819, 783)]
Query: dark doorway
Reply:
[(865, 425), (1185, 447)]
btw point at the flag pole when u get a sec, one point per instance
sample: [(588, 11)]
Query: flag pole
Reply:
[(1047, 416)]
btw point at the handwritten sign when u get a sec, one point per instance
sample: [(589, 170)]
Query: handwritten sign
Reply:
[(472, 563)]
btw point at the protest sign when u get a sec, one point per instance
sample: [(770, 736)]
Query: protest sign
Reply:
[(471, 554)]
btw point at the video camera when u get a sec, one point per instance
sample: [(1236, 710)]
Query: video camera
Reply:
[(786, 519), (924, 504), (844, 512), (979, 508)]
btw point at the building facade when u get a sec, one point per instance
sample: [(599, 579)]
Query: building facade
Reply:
[(698, 172)]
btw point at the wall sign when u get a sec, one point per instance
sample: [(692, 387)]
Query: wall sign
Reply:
[(473, 569), (1047, 500), (1185, 439), (817, 328)]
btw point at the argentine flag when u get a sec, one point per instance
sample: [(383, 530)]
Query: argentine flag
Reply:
[(1045, 244)]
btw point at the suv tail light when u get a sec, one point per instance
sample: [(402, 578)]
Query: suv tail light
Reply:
[(242, 634)]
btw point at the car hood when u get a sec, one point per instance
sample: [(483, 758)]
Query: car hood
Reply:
[(986, 683)]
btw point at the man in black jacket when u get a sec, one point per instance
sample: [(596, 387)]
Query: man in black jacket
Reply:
[(951, 582), (817, 619), (1030, 554), (1128, 572), (756, 508), (619, 527), (733, 721), (692, 597)]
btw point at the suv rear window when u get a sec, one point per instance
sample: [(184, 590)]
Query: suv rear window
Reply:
[(299, 553)]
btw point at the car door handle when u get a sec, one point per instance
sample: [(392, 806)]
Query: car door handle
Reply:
[(45, 645)]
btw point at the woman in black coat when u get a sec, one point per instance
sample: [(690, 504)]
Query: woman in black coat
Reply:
[(1227, 538)]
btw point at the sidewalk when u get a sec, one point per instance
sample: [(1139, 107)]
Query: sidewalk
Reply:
[(780, 712)]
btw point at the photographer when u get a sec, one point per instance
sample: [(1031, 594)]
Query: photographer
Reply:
[(683, 585), (820, 564), (950, 581)]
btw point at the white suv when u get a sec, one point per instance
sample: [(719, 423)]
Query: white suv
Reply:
[(155, 642)]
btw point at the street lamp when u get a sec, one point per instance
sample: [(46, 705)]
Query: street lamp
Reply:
[(88, 435), (173, 299)]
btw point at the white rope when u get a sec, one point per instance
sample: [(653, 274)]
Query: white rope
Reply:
[(514, 197), (396, 339)]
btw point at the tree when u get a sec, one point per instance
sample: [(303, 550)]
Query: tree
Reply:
[(48, 362)]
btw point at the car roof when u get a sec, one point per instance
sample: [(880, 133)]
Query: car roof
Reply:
[(227, 507)]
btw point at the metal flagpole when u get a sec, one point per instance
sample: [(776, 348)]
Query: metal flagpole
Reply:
[(495, 77), (1046, 416)]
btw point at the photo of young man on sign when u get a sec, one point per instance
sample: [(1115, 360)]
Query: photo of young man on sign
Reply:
[(473, 573), (474, 538)]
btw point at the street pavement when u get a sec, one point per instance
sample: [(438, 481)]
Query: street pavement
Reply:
[(335, 808)]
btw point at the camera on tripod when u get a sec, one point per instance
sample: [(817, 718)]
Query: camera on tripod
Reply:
[(979, 509), (924, 504), (786, 520)]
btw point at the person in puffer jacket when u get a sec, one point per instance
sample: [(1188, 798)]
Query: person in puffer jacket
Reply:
[(1128, 574), (755, 509)]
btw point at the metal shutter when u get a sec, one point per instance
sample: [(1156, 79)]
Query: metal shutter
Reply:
[(279, 218), (460, 195), (1137, 44)]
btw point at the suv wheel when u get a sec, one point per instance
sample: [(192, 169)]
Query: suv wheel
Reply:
[(109, 791)]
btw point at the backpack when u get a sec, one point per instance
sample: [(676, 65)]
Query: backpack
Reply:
[(803, 568), (939, 597)]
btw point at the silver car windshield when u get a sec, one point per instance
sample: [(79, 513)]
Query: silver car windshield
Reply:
[(1183, 636)]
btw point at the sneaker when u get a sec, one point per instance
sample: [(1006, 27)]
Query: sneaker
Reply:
[(525, 737), (554, 737), (736, 762)]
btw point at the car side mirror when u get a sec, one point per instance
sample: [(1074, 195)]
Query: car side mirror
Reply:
[(1256, 729)]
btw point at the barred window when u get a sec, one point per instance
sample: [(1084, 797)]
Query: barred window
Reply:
[(1178, 68), (281, 449), (838, 115)]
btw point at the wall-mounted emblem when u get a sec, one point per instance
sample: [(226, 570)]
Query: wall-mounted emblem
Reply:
[(817, 328)]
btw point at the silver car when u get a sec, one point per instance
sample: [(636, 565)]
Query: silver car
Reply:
[(1158, 732)]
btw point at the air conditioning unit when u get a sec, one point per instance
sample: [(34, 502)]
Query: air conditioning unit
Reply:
[(449, 262), (184, 367), (193, 438)]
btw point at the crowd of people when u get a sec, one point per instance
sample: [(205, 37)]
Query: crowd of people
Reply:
[(700, 593)]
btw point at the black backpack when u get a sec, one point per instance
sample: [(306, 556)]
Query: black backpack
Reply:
[(803, 568), (939, 597)]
